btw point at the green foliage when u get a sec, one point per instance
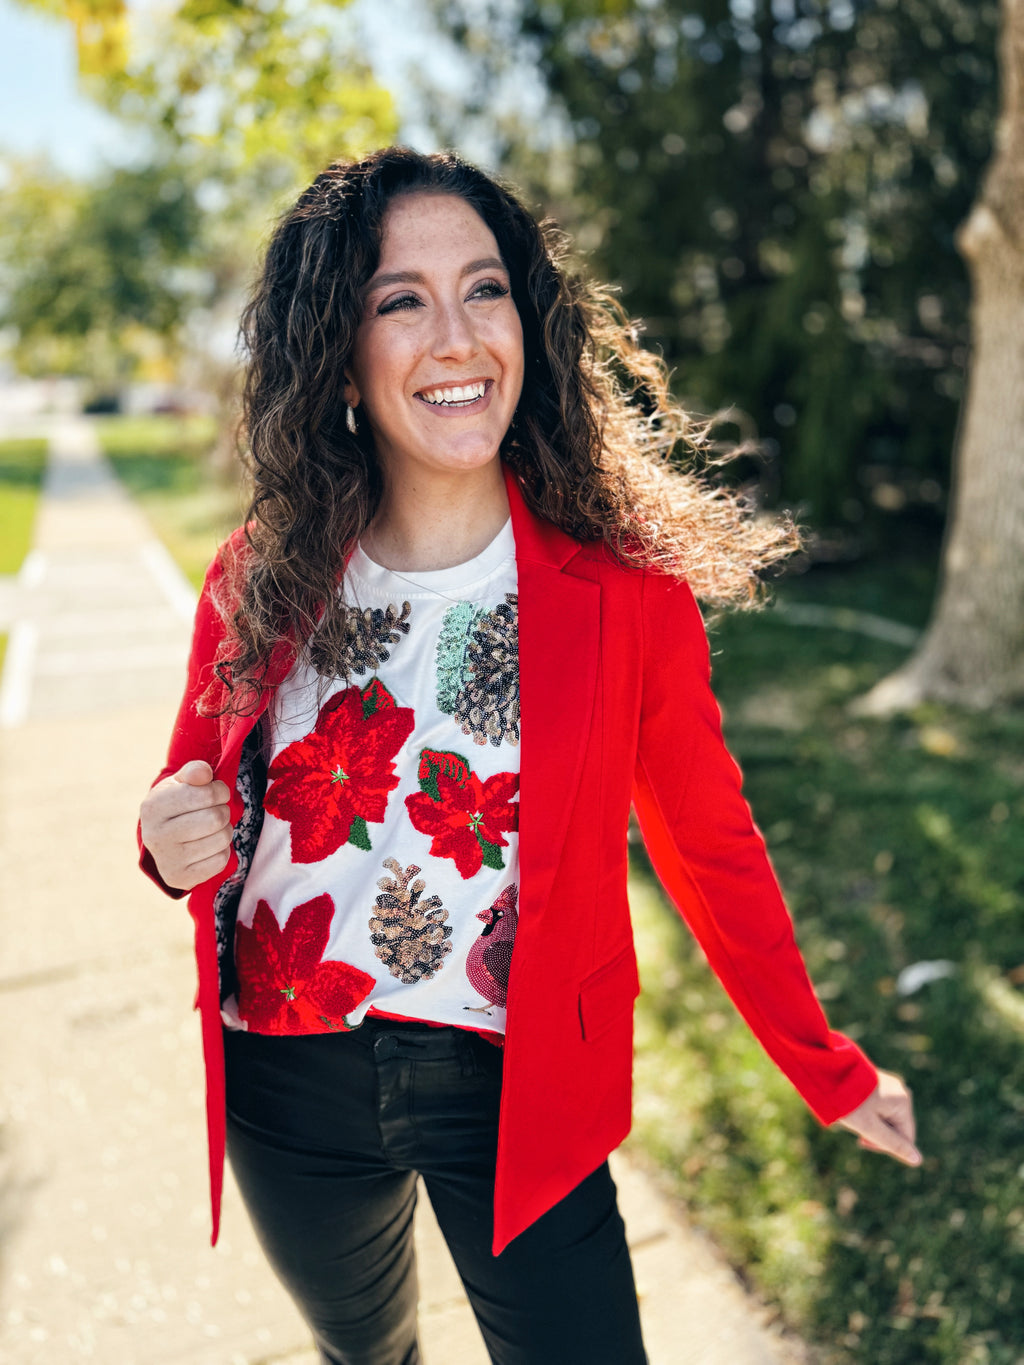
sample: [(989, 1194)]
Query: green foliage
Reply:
[(98, 279), (776, 185), (21, 473), (166, 463), (275, 88), (895, 842), (237, 107)]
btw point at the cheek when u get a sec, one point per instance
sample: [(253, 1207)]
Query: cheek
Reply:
[(383, 361), (510, 343)]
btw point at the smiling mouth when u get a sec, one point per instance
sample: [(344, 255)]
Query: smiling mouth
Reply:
[(455, 396)]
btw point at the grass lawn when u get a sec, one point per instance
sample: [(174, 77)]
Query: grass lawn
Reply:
[(165, 463), (21, 472), (896, 841)]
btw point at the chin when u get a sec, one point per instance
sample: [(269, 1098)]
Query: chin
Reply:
[(467, 460)]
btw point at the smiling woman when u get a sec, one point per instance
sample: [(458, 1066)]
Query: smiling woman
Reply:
[(454, 641), (437, 367)]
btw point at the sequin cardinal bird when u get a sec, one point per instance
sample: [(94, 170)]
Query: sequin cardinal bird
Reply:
[(491, 955)]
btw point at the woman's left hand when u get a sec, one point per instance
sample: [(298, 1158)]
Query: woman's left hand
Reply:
[(885, 1121)]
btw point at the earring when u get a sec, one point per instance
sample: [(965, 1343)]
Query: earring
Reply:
[(350, 418)]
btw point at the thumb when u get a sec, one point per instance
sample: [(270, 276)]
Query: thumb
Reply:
[(196, 773)]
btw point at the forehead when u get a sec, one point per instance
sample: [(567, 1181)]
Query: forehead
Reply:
[(433, 224)]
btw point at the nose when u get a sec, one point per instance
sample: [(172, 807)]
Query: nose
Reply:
[(455, 336)]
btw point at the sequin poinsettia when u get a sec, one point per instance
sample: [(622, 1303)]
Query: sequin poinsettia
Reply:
[(466, 817), (284, 984), (331, 784)]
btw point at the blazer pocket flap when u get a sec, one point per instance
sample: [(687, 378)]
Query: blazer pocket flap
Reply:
[(608, 993)]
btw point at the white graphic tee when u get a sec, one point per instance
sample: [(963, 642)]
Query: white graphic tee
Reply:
[(386, 872)]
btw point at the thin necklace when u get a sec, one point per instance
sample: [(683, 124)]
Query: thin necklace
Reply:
[(420, 587), (425, 587)]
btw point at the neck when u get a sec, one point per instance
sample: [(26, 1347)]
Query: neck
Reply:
[(436, 524)]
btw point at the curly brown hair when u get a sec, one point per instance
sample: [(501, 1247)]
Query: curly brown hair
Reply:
[(595, 442)]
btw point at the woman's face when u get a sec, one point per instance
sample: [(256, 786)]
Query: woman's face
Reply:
[(437, 366)]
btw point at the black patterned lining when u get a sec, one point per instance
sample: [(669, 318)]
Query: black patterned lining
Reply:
[(251, 784)]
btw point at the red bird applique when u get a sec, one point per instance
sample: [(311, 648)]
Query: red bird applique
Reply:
[(490, 957)]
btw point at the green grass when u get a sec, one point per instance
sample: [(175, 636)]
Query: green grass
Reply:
[(21, 473), (166, 463), (895, 841)]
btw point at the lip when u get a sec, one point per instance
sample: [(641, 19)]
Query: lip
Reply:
[(470, 409)]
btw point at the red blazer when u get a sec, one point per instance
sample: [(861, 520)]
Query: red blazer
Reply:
[(616, 706)]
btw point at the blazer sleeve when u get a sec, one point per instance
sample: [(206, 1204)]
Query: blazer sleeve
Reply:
[(712, 860), (194, 735)]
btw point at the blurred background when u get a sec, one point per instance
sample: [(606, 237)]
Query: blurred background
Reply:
[(814, 208)]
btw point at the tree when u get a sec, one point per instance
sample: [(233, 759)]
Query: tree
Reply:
[(775, 184), (973, 650), (275, 89), (239, 106), (99, 279)]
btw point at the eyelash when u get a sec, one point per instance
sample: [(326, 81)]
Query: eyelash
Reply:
[(404, 302)]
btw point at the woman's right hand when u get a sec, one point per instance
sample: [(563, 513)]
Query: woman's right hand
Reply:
[(186, 825)]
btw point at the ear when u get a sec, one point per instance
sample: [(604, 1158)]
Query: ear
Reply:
[(351, 391)]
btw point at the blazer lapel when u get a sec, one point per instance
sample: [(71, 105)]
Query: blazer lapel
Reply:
[(559, 644), (235, 728)]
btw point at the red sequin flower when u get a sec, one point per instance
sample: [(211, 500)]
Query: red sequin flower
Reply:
[(466, 817), (331, 783), (285, 987)]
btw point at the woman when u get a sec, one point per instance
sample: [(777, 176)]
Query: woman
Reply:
[(412, 931)]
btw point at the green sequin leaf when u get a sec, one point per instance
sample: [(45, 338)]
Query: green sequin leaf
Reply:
[(359, 834), (492, 855)]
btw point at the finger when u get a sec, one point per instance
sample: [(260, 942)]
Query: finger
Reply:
[(216, 860), (196, 773), (896, 1104), (904, 1121), (871, 1146), (171, 799), (212, 846), (190, 825), (884, 1137), (199, 783), (200, 872)]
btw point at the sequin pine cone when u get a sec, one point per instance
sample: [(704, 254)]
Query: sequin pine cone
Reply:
[(408, 934)]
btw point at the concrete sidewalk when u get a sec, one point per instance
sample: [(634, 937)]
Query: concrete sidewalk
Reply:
[(103, 1200)]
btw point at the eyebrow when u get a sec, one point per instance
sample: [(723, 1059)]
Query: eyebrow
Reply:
[(414, 276)]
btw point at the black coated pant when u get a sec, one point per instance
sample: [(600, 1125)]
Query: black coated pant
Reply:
[(326, 1136)]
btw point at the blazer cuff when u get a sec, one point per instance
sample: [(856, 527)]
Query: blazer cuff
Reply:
[(852, 1091)]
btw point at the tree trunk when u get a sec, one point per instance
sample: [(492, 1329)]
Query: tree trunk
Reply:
[(972, 653)]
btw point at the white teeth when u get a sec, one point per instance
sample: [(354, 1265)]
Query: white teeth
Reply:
[(460, 393)]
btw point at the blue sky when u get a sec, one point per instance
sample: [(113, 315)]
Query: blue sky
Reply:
[(42, 111), (40, 107)]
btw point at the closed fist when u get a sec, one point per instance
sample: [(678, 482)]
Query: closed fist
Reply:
[(186, 826)]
